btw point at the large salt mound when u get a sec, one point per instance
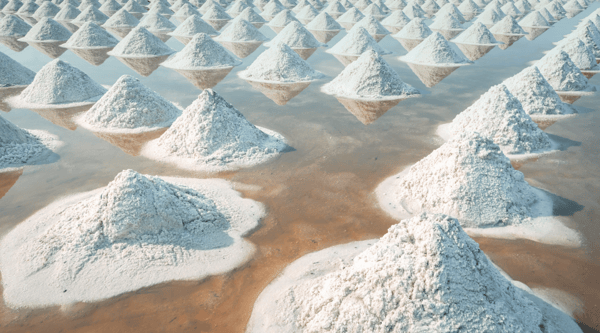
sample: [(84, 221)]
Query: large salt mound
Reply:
[(193, 25), (590, 35), (140, 43), (121, 19), (562, 74), (67, 13), (212, 135), (47, 30), (415, 29), (28, 8), (90, 36), (324, 22), (20, 147), (424, 275), (508, 26), (216, 13), (13, 73), (356, 42), (307, 13), (581, 54), (295, 35), (110, 7), (13, 26), (535, 93), (371, 78), (476, 34), (499, 115), (435, 51), (157, 23), (280, 64), (467, 7), (241, 30), (129, 106), (90, 14), (489, 17), (59, 83), (138, 231), (201, 53)]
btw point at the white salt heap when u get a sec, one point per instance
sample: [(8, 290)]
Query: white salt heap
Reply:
[(499, 115), (129, 107), (47, 30), (212, 135), (20, 147), (86, 3), (476, 34), (562, 74), (446, 21), (67, 14), (324, 22), (372, 25), (396, 19), (435, 51), (140, 43), (237, 7), (137, 231), (547, 15), (280, 64), (412, 10), (110, 6), (13, 73), (47, 9), (216, 13), (307, 13), (508, 26), (121, 19), (12, 6), (13, 26), (241, 30), (355, 43), (334, 7), (159, 8), (510, 9), (451, 9), (535, 93), (251, 16), (295, 35), (489, 17), (581, 55), (524, 6), (90, 36), (589, 34), (132, 6), (193, 25), (186, 11), (28, 8), (271, 10), (90, 14), (371, 78), (352, 15), (467, 7), (201, 53), (415, 29), (157, 23), (282, 19)]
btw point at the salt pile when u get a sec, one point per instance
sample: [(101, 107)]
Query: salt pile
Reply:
[(510, 9), (13, 26), (562, 74), (47, 9), (395, 21), (430, 7), (362, 4), (86, 3), (138, 231), (13, 74), (416, 29), (216, 13), (280, 64), (335, 8), (129, 107), (140, 43), (489, 17), (508, 26), (186, 11), (20, 147), (28, 8), (110, 7), (251, 16), (47, 30), (157, 23), (573, 6), (435, 51), (159, 8), (589, 34), (476, 34), (60, 84), (369, 78), (132, 6), (237, 7), (67, 13), (352, 15), (207, 5), (355, 43), (412, 10), (282, 19), (307, 14), (271, 10), (451, 9), (12, 6), (295, 36), (193, 25), (241, 31), (201, 53), (374, 11), (373, 27), (468, 7), (447, 25), (556, 9), (534, 20), (323, 22), (121, 19), (547, 15), (212, 135), (90, 36), (582, 55), (90, 14), (178, 4)]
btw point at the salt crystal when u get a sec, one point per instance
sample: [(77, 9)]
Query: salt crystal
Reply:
[(355, 43), (90, 36), (13, 26), (295, 35), (324, 22), (47, 30), (140, 43), (14, 74), (157, 23), (241, 31), (121, 19), (193, 25), (201, 53)]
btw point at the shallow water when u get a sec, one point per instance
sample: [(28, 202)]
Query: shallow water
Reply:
[(319, 194)]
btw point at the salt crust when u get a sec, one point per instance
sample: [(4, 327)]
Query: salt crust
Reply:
[(58, 84), (193, 25), (138, 231), (13, 74), (67, 13), (352, 15), (202, 53), (424, 275), (370, 78), (446, 21), (323, 22), (396, 19), (140, 43), (13, 26), (129, 107), (581, 54), (90, 14), (509, 27), (47, 30), (121, 19), (435, 51), (296, 36), (90, 36), (476, 34), (372, 25), (154, 22), (211, 135), (562, 74), (280, 64), (415, 29), (240, 30), (355, 43), (251, 16), (282, 19)]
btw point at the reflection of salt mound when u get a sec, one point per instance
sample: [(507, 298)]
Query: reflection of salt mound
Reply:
[(129, 106), (435, 51), (138, 231), (140, 43), (13, 26), (20, 147), (424, 275), (562, 74), (47, 30), (193, 25), (355, 43), (212, 135), (157, 23), (13, 74), (241, 31), (90, 36), (201, 53), (295, 35), (280, 64), (121, 19)]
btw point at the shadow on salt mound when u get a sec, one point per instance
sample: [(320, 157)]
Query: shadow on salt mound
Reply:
[(8, 179)]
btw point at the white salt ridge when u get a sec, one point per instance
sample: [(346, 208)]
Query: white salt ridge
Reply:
[(280, 64), (324, 22), (435, 51), (187, 10), (133, 6), (67, 13), (19, 147), (140, 43), (212, 135), (308, 13), (562, 74), (282, 19), (372, 25), (129, 107), (534, 20), (178, 4), (90, 14), (59, 84), (251, 16), (415, 29), (536, 95), (138, 231), (476, 34), (356, 42), (446, 21), (396, 19), (47, 30), (241, 30), (28, 9), (13, 26), (508, 26), (193, 25), (14, 74), (47, 9), (110, 6), (157, 23), (90, 36), (216, 13), (352, 15), (370, 78), (581, 54), (201, 53), (121, 19), (295, 35)]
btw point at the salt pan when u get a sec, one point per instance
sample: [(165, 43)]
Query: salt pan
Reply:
[(47, 30), (141, 43), (13, 74), (201, 53), (90, 36), (13, 26)]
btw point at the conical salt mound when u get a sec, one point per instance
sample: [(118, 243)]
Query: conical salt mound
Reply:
[(476, 34), (201, 53), (415, 29), (352, 15), (186, 11), (581, 54), (397, 19), (251, 16), (355, 43), (47, 30), (282, 19), (212, 134), (295, 35), (334, 8), (13, 26), (451, 9), (562, 74), (86, 3), (412, 10), (216, 13), (280, 64), (467, 7), (535, 93), (435, 51), (90, 36), (370, 77), (154, 22), (524, 6), (12, 6), (19, 147), (271, 10), (28, 9), (13, 73), (193, 25), (47, 9), (508, 26), (140, 43), (307, 13), (446, 21), (90, 14), (324, 22), (110, 6), (510, 10), (237, 7), (499, 115), (489, 17), (160, 8), (241, 31), (121, 19), (129, 105), (67, 14), (372, 25), (589, 34), (132, 6)]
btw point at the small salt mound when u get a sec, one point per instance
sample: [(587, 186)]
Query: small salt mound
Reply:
[(307, 13), (523, 6), (251, 16), (90, 36), (335, 7), (547, 15), (133, 6), (324, 22), (140, 43), (13, 26), (121, 19), (280, 64), (581, 54), (207, 5), (86, 3), (508, 26), (594, 18), (476, 34), (201, 53), (562, 74), (186, 10), (362, 4), (241, 30), (510, 9), (489, 17), (589, 34), (28, 8), (157, 23), (20, 147), (435, 51), (498, 115), (282, 19), (356, 42), (396, 19), (415, 29), (216, 13), (573, 6), (67, 13), (271, 10), (159, 8), (468, 6), (178, 4), (237, 8), (369, 77), (194, 25), (213, 135), (12, 6), (352, 15), (451, 9), (412, 10), (430, 6), (534, 20), (374, 10), (130, 106), (47, 9), (13, 73), (372, 25), (556, 9), (535, 93), (47, 30), (295, 35), (446, 21), (110, 6), (90, 14)]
